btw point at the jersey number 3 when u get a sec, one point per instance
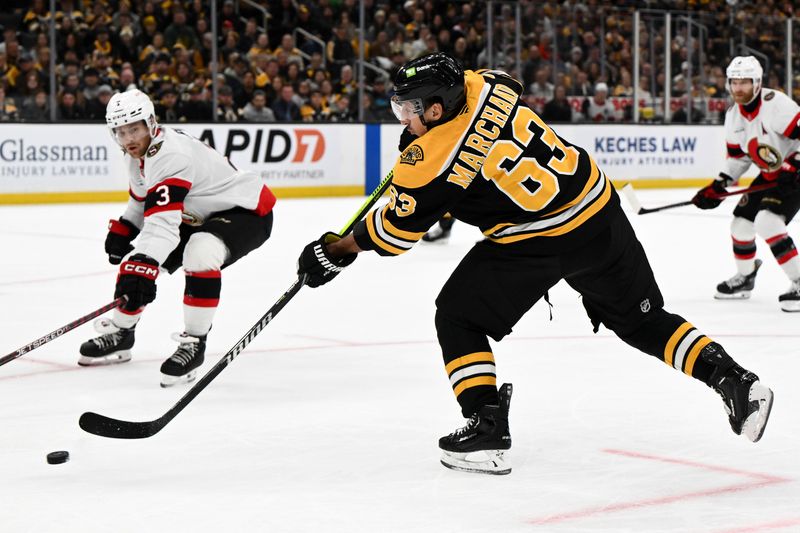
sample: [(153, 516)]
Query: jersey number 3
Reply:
[(513, 174)]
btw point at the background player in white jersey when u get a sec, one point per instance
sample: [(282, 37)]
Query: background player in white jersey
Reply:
[(189, 207), (762, 127)]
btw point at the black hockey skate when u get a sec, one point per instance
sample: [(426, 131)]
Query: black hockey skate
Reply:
[(480, 445), (439, 232), (112, 347), (739, 286), (747, 402), (182, 366), (790, 300)]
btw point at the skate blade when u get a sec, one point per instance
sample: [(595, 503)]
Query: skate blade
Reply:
[(790, 306), (112, 359), (753, 428), (744, 295), (169, 381), (480, 462)]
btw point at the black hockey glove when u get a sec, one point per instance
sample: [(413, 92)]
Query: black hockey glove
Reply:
[(118, 241), (137, 280), (788, 181), (708, 196), (318, 265), (406, 138)]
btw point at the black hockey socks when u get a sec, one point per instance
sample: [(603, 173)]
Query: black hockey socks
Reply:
[(469, 364)]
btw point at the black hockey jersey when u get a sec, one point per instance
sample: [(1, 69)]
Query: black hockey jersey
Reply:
[(496, 166)]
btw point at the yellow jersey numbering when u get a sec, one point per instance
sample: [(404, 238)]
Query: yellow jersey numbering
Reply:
[(534, 186)]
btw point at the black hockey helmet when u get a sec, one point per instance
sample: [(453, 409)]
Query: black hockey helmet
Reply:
[(426, 80)]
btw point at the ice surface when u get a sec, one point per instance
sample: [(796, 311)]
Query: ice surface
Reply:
[(329, 421)]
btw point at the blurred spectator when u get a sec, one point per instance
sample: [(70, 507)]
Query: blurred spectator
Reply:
[(285, 108), (256, 110), (558, 109), (248, 37), (288, 48), (68, 106), (341, 111), (680, 116), (340, 51), (346, 84), (598, 108), (315, 109), (36, 109), (179, 32), (226, 110), (91, 83), (96, 106), (8, 111), (541, 88), (169, 109)]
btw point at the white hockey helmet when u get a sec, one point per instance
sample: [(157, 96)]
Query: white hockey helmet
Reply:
[(129, 107), (745, 67)]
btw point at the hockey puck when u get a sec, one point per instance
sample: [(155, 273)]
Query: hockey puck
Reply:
[(56, 458)]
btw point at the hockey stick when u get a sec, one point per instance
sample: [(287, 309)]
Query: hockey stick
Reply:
[(60, 331), (629, 193), (121, 429)]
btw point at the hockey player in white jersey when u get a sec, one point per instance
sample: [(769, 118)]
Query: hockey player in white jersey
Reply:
[(762, 127), (189, 207)]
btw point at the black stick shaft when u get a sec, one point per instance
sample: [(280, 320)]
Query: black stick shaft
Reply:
[(60, 331), (755, 188), (120, 429)]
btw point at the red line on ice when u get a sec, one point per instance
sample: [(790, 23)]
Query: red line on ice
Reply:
[(759, 480)]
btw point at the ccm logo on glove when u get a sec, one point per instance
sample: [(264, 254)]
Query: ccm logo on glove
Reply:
[(141, 269)]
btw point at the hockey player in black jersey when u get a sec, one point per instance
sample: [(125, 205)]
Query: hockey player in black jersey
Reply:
[(547, 213)]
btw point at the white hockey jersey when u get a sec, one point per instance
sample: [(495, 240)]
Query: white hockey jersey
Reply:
[(767, 136), (183, 180)]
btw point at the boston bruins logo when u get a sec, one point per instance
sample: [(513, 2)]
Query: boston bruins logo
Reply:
[(412, 154)]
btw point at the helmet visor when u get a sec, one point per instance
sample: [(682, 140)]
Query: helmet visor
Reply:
[(407, 109), (134, 132)]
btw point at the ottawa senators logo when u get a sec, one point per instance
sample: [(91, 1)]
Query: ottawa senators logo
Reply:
[(412, 154), (153, 150), (770, 156), (764, 156), (769, 96)]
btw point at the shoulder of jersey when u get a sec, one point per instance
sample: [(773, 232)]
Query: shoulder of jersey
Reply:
[(775, 97)]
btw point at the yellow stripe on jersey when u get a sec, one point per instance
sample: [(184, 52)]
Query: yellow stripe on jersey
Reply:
[(476, 357), (471, 370), (695, 351), (555, 230), (402, 234), (591, 182), (669, 349), (474, 382), (373, 235)]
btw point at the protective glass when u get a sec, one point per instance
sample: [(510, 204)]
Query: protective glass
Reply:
[(407, 109)]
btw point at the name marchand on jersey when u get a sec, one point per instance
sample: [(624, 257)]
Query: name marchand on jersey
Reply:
[(531, 183), (766, 136)]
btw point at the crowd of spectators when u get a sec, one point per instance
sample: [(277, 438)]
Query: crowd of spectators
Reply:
[(299, 64)]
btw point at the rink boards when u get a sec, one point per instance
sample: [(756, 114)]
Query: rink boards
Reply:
[(41, 163)]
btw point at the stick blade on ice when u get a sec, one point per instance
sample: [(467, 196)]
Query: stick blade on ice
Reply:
[(630, 194), (104, 426)]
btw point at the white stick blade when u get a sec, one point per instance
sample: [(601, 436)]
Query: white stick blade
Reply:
[(630, 194)]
